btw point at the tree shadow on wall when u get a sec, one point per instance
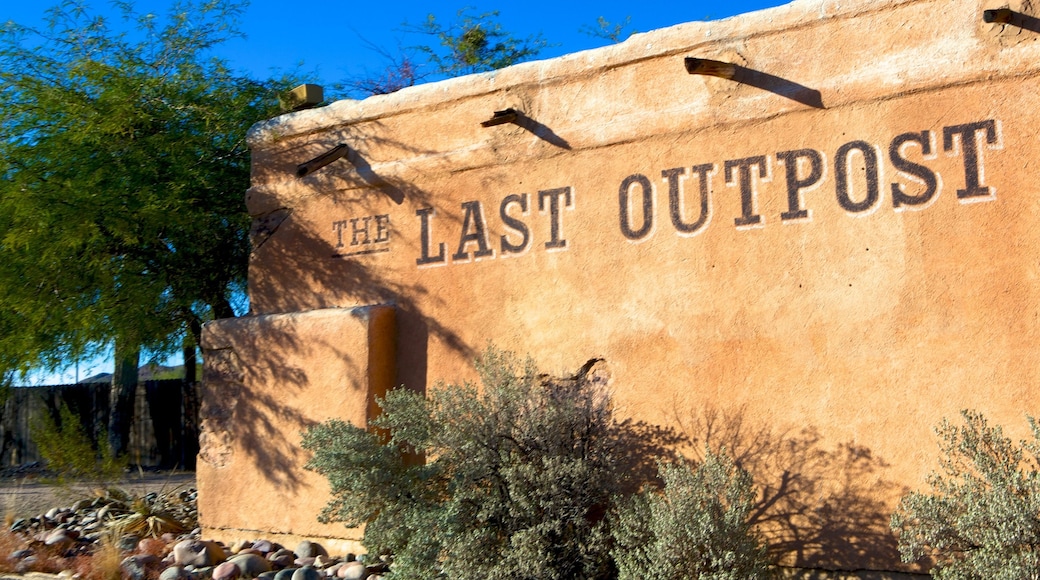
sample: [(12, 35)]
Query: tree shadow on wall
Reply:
[(819, 508), (294, 269)]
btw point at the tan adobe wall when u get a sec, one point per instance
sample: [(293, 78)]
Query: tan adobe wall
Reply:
[(839, 244)]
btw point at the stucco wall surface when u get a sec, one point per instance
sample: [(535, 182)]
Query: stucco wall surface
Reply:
[(266, 379), (837, 244)]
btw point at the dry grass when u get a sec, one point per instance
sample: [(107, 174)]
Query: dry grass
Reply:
[(102, 564)]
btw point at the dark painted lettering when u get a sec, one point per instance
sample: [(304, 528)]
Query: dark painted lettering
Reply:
[(624, 204), (359, 233), (675, 197), (382, 229), (796, 184), (473, 220), (514, 224), (425, 217), (553, 196), (742, 176), (337, 227), (972, 154), (931, 182), (870, 169)]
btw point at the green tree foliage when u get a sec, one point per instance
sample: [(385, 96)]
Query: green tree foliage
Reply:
[(696, 526), (517, 480), (475, 43), (613, 31), (981, 519), (124, 167), (471, 43)]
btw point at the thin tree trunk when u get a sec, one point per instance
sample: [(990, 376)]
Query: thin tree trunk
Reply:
[(121, 400), (190, 349)]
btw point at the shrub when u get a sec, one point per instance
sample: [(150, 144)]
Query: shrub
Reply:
[(67, 450), (516, 481), (982, 517), (696, 526)]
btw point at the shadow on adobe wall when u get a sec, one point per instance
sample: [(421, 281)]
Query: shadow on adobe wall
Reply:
[(294, 269), (819, 508)]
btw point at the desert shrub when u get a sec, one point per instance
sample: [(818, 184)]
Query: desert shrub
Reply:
[(516, 481), (68, 451), (695, 526), (982, 516)]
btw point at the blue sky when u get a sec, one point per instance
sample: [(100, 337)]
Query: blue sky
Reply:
[(330, 42)]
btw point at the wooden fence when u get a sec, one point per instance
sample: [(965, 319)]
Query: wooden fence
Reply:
[(164, 432)]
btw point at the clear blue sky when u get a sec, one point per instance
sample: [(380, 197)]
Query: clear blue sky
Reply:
[(331, 41), (327, 39)]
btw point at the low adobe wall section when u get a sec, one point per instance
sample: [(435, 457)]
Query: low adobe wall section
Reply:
[(839, 243)]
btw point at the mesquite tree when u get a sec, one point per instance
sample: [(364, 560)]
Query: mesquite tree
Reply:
[(124, 164)]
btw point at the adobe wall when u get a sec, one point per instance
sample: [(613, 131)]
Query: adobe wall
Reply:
[(837, 246)]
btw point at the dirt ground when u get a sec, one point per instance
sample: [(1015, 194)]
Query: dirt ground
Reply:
[(27, 495)]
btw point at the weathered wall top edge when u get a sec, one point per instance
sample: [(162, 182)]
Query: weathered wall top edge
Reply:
[(639, 47), (219, 333)]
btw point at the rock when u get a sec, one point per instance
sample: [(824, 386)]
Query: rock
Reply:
[(136, 567), (60, 539), (263, 546), (198, 553), (282, 558), (20, 554), (307, 573), (251, 565), (268, 575), (286, 574), (227, 571), (25, 564), (308, 549), (309, 561), (353, 571), (128, 543), (153, 546), (322, 562), (175, 573)]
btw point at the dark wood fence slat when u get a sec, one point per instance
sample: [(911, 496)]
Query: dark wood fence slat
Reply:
[(164, 433)]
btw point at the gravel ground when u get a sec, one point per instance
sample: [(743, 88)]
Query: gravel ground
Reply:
[(27, 494)]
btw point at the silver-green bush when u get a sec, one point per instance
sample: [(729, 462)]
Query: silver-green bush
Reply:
[(516, 481), (696, 526), (982, 517)]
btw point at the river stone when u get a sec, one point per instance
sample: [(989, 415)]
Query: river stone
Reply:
[(59, 539), (282, 558), (307, 573), (175, 573), (353, 571), (285, 574), (128, 543), (136, 567), (20, 554), (308, 549), (153, 546), (251, 565), (197, 553), (227, 571)]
